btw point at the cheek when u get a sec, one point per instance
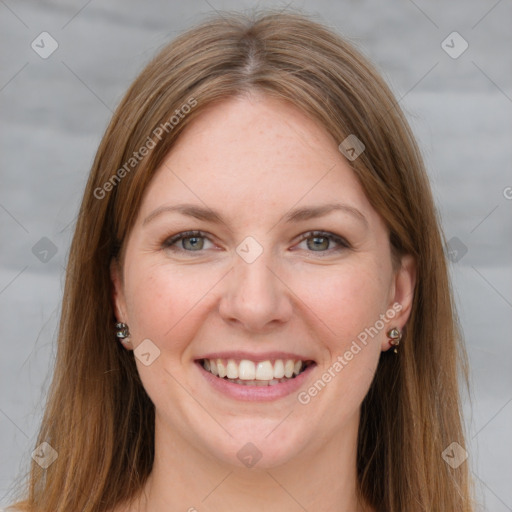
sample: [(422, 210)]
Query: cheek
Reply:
[(346, 299), (347, 302), (165, 306), (163, 303)]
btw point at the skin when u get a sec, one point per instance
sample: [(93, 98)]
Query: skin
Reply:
[(253, 159)]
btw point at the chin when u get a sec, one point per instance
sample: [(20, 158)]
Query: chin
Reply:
[(258, 447)]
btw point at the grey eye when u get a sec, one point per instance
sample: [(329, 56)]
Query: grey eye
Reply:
[(193, 243), (318, 243)]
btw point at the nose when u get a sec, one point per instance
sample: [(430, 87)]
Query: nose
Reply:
[(255, 297)]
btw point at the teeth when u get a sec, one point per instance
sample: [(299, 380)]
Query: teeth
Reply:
[(265, 370), (247, 372), (221, 369), (232, 370), (279, 369), (272, 382), (288, 368)]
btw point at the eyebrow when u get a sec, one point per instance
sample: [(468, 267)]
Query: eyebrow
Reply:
[(293, 216)]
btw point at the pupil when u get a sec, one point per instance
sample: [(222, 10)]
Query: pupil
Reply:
[(317, 242), (195, 242)]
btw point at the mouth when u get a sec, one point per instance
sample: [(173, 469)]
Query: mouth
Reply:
[(246, 372)]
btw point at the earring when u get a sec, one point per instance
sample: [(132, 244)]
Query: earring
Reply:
[(122, 332), (394, 335)]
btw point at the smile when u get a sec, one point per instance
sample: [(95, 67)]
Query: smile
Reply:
[(255, 373)]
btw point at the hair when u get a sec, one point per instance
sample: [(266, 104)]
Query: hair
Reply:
[(98, 416)]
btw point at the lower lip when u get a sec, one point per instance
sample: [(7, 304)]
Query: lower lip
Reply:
[(255, 393)]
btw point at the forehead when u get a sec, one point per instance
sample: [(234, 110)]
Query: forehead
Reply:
[(255, 152)]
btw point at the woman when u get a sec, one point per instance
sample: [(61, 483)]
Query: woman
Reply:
[(257, 313)]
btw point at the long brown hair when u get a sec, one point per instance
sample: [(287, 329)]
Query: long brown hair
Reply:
[(99, 418)]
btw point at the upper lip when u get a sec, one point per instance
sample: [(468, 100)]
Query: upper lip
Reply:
[(263, 356)]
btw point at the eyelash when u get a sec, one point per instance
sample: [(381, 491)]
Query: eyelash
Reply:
[(168, 243)]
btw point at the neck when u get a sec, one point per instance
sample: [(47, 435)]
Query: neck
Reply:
[(186, 479)]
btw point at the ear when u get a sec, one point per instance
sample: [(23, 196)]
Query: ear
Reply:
[(118, 300), (402, 294)]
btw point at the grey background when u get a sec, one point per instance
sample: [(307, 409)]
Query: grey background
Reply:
[(55, 110)]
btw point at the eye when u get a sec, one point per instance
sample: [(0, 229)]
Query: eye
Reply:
[(191, 241), (322, 241), (316, 241)]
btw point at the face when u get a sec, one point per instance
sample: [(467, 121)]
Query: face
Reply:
[(255, 246)]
